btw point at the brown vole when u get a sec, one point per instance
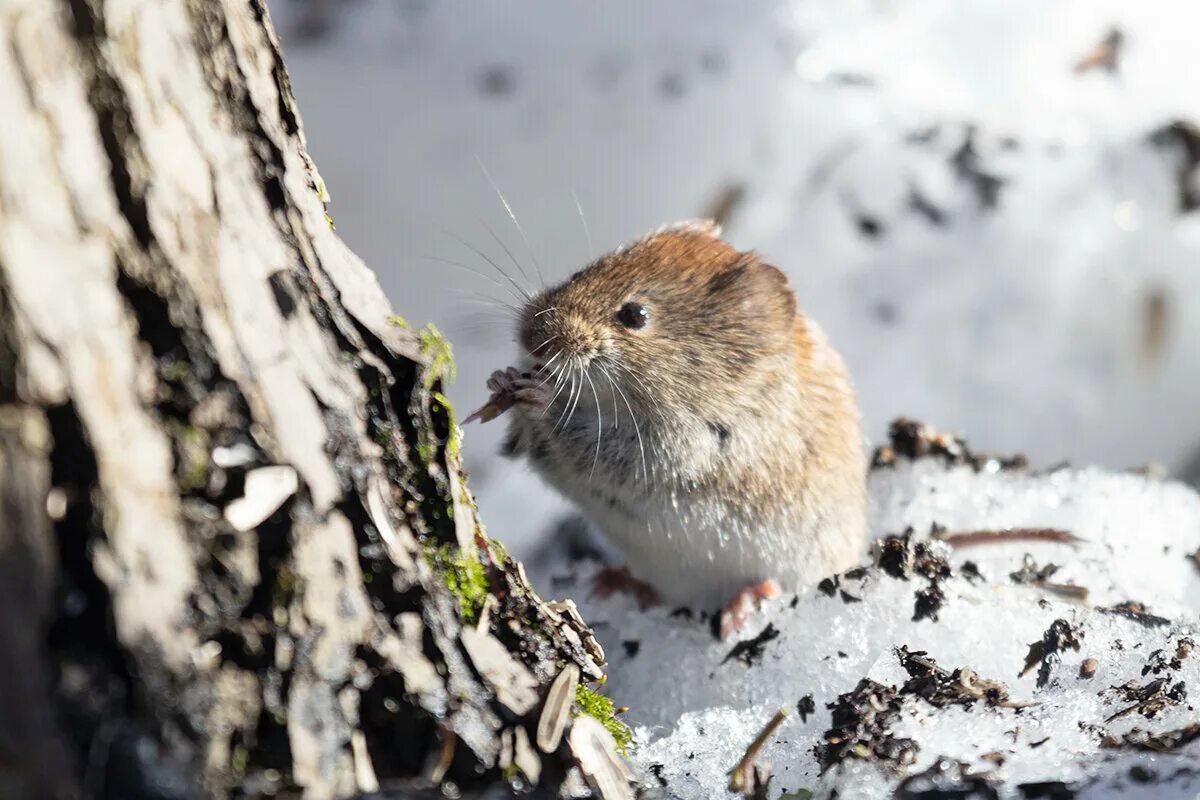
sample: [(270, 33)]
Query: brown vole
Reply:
[(676, 394)]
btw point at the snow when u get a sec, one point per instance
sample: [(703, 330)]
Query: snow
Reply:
[(696, 710)]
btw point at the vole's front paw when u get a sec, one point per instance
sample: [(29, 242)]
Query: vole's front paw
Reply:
[(503, 384), (533, 391), (611, 580), (745, 603)]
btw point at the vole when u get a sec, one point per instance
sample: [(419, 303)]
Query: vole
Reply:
[(675, 392)]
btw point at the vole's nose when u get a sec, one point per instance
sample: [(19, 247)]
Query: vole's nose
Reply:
[(546, 336)]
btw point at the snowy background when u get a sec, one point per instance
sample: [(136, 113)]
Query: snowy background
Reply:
[(997, 239)]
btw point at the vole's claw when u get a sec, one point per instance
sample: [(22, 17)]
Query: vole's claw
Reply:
[(500, 381), (745, 603)]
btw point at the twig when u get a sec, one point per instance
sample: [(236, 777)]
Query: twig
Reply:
[(971, 538), (742, 778)]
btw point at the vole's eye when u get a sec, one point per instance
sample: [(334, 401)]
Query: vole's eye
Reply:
[(633, 315)]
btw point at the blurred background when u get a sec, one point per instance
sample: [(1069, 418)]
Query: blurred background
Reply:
[(989, 206)]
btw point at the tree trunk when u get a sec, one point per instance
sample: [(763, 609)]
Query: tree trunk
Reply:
[(237, 555)]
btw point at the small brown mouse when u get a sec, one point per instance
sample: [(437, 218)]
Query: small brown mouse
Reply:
[(674, 391)]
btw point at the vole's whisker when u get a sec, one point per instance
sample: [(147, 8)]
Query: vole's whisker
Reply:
[(509, 309), (570, 393), (636, 429), (550, 376), (525, 294), (586, 231), (546, 366), (546, 311), (556, 375), (575, 402), (608, 375), (599, 422), (511, 216), (472, 270), (646, 389), (504, 247), (543, 344)]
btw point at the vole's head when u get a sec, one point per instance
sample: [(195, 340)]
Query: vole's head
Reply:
[(677, 317)]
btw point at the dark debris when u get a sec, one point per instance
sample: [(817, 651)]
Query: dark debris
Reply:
[(947, 779), (1137, 612), (1047, 790), (1060, 636), (860, 723), (1150, 698), (902, 557), (968, 168), (942, 688), (1031, 574), (806, 706), (750, 651), (915, 440), (1163, 742), (1182, 137)]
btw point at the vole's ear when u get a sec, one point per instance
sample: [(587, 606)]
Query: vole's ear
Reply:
[(755, 287)]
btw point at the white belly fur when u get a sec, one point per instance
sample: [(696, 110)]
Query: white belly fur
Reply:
[(699, 551)]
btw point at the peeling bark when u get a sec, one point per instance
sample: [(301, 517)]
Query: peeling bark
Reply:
[(222, 471)]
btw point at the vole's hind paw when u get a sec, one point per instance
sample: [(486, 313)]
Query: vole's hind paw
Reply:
[(611, 580), (744, 604)]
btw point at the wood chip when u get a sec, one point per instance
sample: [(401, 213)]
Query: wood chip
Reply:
[(557, 708), (596, 753), (515, 686), (266, 490), (525, 758)]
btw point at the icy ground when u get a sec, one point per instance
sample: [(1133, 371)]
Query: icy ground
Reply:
[(990, 236), (697, 703)]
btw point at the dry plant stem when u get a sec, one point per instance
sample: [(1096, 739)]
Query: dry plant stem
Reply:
[(741, 777), (972, 538)]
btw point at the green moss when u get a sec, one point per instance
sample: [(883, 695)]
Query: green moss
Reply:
[(173, 371), (591, 702), (425, 450), (434, 348), (463, 575), (499, 549), (438, 353), (454, 440), (192, 468), (238, 761)]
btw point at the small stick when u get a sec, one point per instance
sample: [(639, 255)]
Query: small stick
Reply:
[(742, 778), (1067, 590), (971, 538)]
